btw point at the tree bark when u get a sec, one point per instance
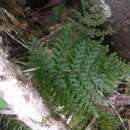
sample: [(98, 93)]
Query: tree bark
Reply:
[(23, 99)]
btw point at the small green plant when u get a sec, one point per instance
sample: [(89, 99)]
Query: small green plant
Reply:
[(74, 65), (73, 70), (3, 104), (8, 122), (89, 14)]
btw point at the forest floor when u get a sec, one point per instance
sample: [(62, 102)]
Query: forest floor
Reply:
[(42, 23)]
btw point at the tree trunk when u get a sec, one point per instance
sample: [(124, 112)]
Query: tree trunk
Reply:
[(23, 99)]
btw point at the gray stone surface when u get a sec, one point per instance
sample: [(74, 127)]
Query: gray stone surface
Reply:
[(120, 22)]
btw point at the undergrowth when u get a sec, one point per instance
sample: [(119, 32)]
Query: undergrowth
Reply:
[(73, 69), (74, 66)]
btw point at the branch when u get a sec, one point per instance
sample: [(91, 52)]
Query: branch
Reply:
[(114, 108), (23, 99)]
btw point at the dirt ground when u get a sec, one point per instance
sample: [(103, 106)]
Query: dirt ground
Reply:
[(120, 22)]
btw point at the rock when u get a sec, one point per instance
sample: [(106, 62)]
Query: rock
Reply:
[(106, 9), (120, 22)]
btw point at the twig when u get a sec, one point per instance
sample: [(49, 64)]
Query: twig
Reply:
[(109, 103), (116, 92), (9, 15), (70, 118), (89, 127), (30, 70), (17, 40), (113, 107), (20, 62), (1, 11)]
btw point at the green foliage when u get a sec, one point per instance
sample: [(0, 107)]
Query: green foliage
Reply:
[(107, 121), (11, 123), (3, 104), (8, 122), (58, 12), (75, 64), (90, 20), (90, 13), (74, 68)]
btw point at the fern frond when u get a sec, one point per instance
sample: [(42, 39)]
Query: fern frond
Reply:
[(75, 64), (74, 68), (11, 123)]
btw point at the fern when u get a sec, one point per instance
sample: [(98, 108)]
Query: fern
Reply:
[(90, 13), (74, 68), (75, 64), (90, 20), (8, 122)]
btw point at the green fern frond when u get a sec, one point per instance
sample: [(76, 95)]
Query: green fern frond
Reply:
[(74, 68), (8, 122), (90, 13), (75, 64)]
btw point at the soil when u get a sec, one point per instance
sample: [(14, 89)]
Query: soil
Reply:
[(120, 22)]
